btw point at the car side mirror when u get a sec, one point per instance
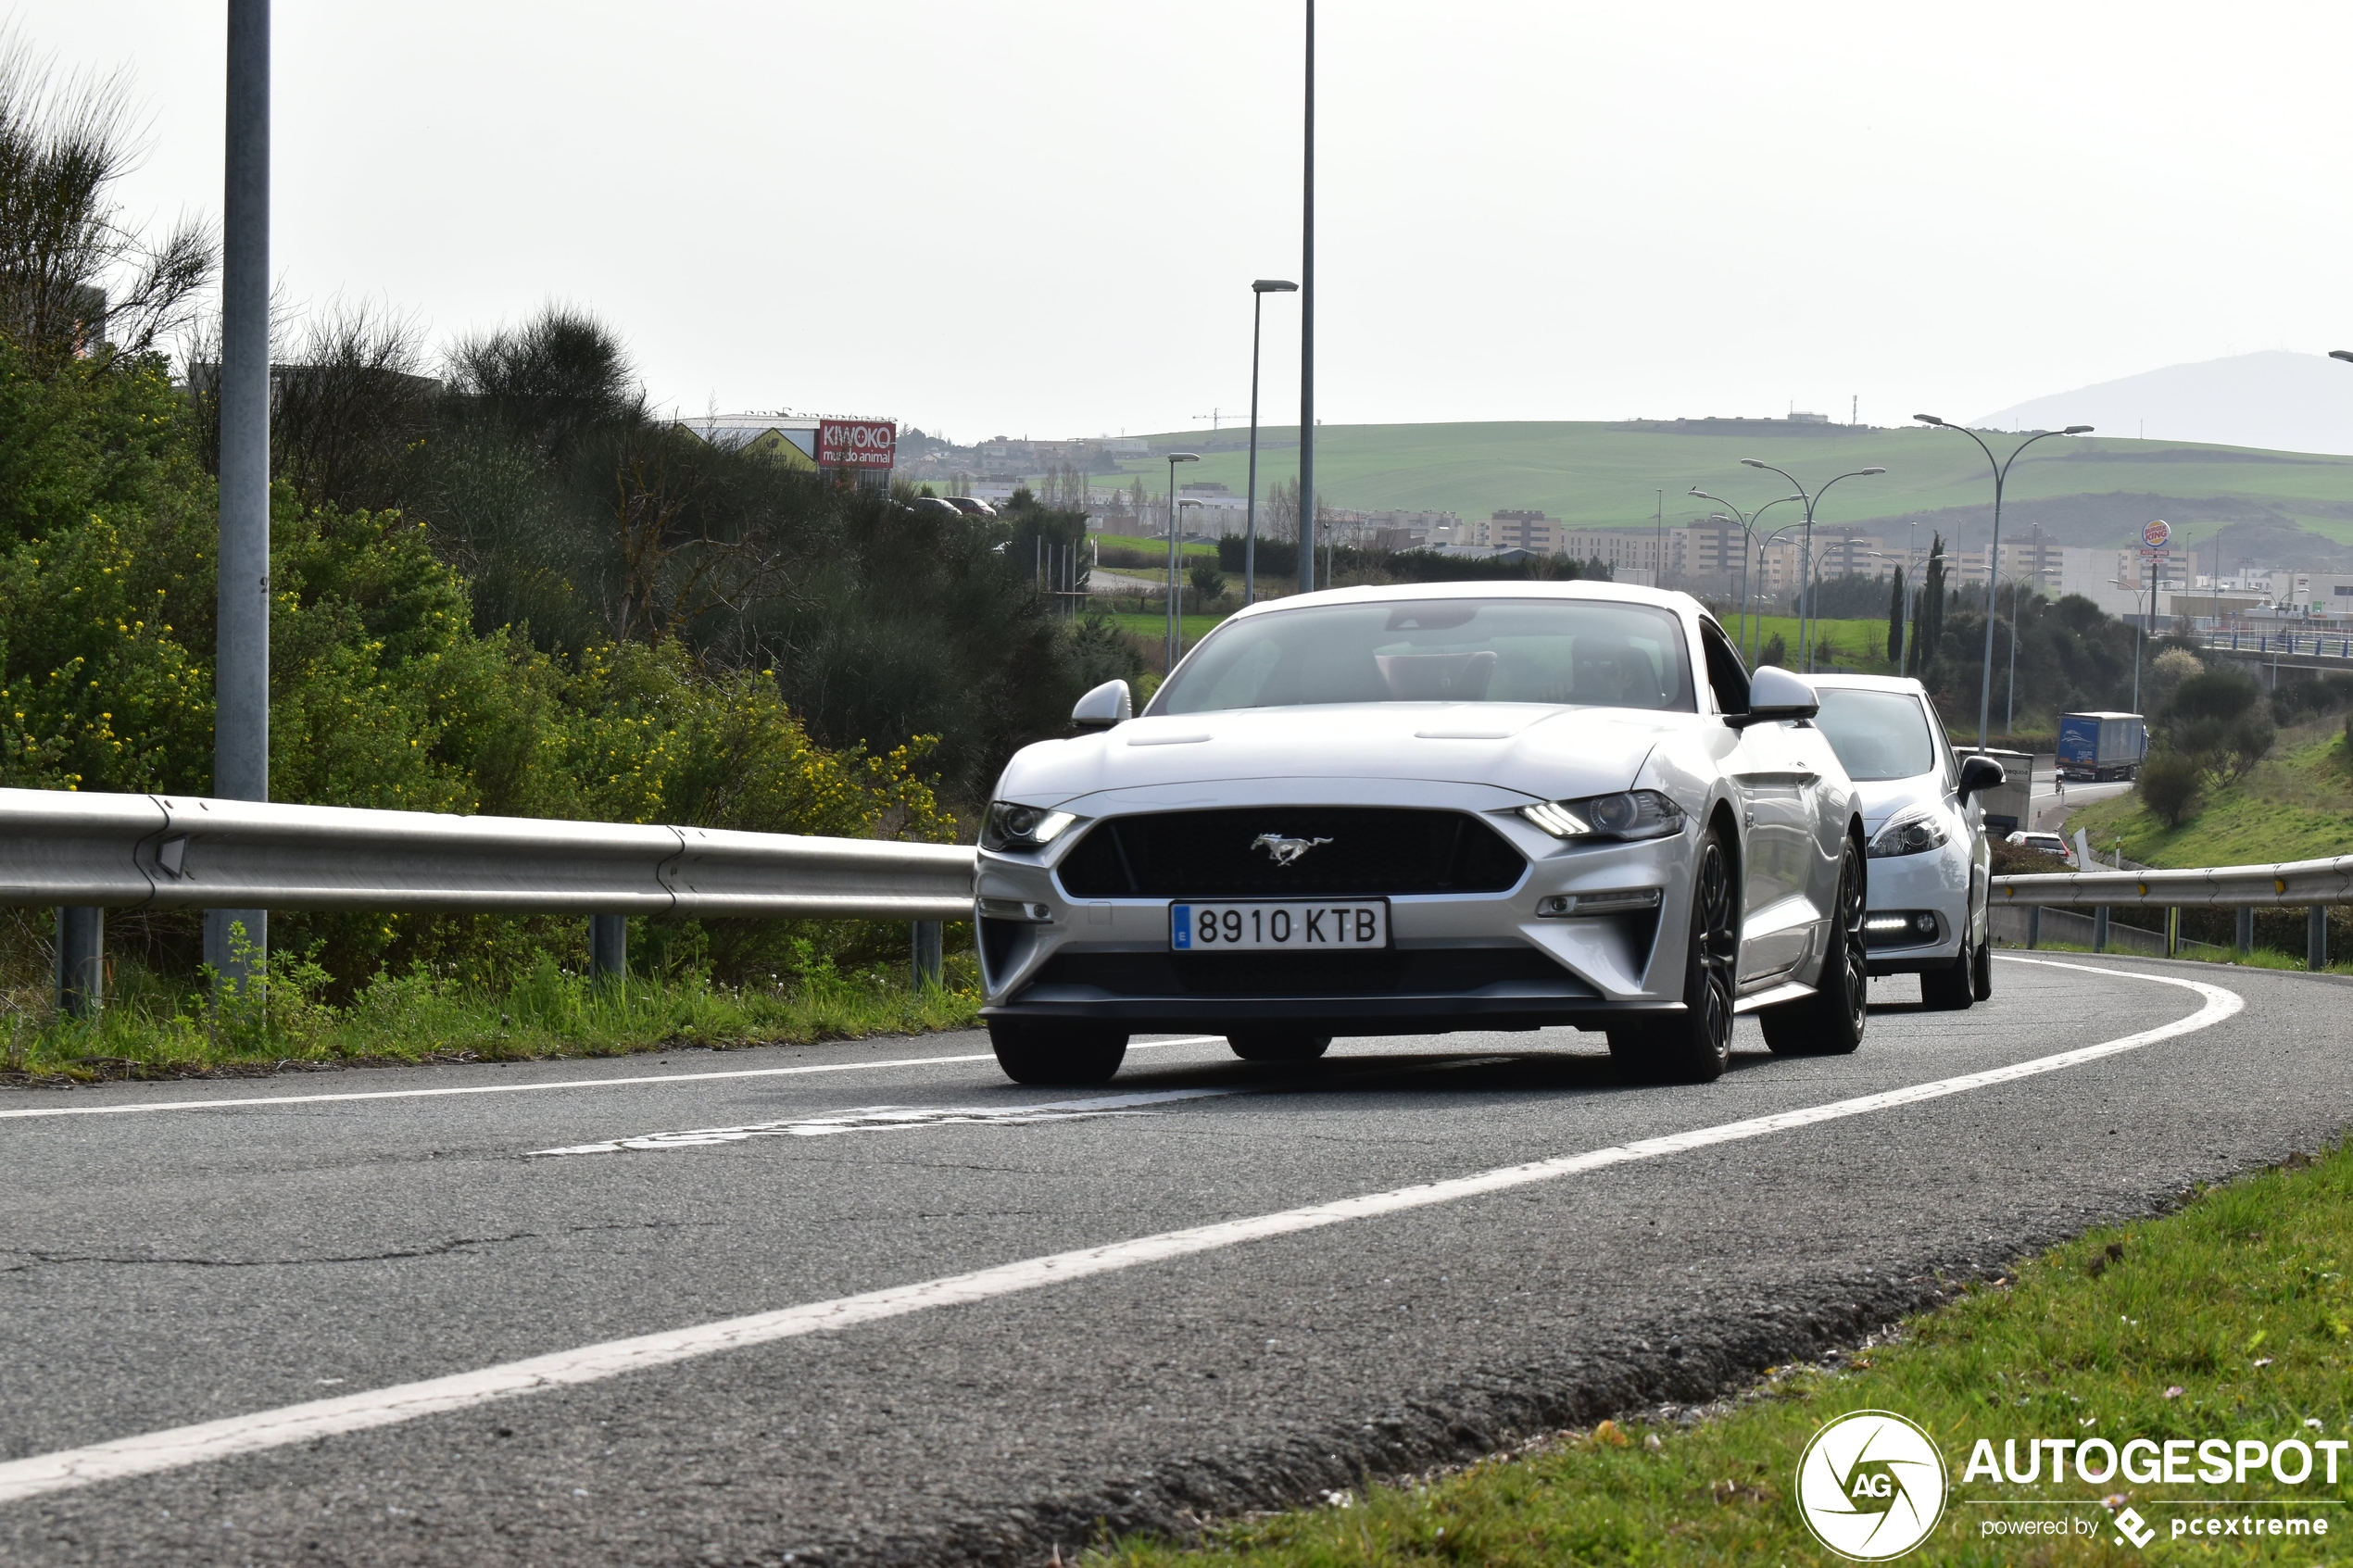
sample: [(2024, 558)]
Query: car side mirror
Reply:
[(1108, 704), (1980, 772), (1774, 692)]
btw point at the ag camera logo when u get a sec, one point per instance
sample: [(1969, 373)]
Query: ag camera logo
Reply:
[(1870, 1486)]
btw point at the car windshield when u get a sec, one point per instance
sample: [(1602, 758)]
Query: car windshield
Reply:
[(1591, 652), (1877, 734)]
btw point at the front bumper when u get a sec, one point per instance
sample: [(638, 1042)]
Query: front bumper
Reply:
[(1935, 883), (1486, 960)]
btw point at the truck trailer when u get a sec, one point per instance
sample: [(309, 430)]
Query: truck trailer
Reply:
[(2099, 747)]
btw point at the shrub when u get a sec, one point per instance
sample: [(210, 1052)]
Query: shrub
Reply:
[(2170, 783), (1207, 580)]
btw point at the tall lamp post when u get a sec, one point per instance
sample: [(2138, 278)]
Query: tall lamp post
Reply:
[(1174, 458), (1307, 330), (1762, 545), (1806, 603), (1748, 526), (1993, 553), (1258, 292)]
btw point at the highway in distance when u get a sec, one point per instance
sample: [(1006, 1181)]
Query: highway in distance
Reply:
[(869, 1301)]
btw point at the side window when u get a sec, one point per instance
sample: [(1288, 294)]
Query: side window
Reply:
[(1726, 675)]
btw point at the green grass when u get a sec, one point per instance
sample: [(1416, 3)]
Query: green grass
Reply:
[(1193, 628), (151, 1028), (1185, 549), (2231, 1318), (1596, 476), (1852, 645), (2296, 805)]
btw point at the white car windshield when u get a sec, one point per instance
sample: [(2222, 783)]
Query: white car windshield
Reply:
[(1591, 652), (1877, 734)]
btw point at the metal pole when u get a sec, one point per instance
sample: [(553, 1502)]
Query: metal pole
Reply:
[(2033, 927), (2009, 698), (241, 677), (927, 958), (2099, 929), (81, 963), (1307, 334), (2173, 931), (2316, 938), (2242, 938), (608, 947), (1172, 566), (1249, 525)]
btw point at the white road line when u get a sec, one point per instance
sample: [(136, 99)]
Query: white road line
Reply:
[(528, 1088), (902, 1118), (207, 1441)]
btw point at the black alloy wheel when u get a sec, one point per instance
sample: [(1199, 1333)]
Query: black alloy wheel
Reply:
[(1279, 1046), (1694, 1045), (1950, 987), (1830, 1022), (1056, 1053)]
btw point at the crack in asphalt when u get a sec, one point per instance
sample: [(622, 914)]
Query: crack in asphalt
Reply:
[(37, 1258)]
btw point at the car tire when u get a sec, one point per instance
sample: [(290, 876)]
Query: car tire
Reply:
[(1694, 1045), (1981, 972), (1950, 987), (1056, 1053), (1830, 1022), (1279, 1046)]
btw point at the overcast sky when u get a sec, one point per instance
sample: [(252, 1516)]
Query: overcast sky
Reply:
[(1042, 218)]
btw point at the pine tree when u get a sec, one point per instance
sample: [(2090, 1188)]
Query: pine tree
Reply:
[(1931, 631)]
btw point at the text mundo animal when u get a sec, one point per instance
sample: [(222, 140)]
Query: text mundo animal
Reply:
[(1871, 1486)]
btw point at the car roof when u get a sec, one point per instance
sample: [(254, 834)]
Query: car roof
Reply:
[(1505, 588), (1841, 681)]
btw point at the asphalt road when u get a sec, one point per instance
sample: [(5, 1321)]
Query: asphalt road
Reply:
[(203, 1265)]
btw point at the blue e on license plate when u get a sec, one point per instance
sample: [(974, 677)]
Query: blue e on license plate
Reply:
[(1287, 927)]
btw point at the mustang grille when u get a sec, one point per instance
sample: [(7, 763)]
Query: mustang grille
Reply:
[(1372, 850)]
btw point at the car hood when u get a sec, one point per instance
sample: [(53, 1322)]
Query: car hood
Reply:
[(1882, 798), (1544, 752)]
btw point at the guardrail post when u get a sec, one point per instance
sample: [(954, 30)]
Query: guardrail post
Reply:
[(2099, 929), (2033, 926), (2243, 937), (2316, 938), (608, 947), (2173, 931), (929, 957), (82, 961)]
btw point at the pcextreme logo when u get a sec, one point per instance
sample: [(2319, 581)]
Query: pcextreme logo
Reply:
[(1870, 1486)]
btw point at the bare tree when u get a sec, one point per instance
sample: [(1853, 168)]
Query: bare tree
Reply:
[(76, 279)]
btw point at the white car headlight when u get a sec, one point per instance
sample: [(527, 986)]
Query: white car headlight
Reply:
[(1010, 826), (1634, 813), (1915, 832)]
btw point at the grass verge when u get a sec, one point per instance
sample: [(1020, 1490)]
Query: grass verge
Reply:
[(2295, 805), (153, 1030), (2230, 1318)]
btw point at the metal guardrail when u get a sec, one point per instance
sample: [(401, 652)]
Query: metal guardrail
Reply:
[(2289, 883), (85, 854), (2312, 885), (179, 852)]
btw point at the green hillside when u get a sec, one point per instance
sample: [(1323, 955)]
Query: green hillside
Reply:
[(2270, 507)]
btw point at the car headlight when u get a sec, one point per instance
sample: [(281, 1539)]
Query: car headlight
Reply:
[(1009, 826), (1912, 832), (1634, 813)]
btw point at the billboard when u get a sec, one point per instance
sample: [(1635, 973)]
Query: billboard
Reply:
[(856, 443)]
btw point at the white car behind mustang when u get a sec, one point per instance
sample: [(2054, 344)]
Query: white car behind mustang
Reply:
[(1416, 809)]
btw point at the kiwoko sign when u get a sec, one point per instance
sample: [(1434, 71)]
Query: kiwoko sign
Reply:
[(856, 443)]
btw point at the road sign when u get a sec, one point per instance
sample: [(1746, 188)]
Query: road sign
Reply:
[(2155, 535)]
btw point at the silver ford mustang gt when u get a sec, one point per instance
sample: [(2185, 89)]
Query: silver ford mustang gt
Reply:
[(1416, 809)]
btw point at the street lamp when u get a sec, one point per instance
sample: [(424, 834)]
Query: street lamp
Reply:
[(1174, 458), (1258, 292), (1806, 603), (1762, 545), (1993, 553), (1748, 527)]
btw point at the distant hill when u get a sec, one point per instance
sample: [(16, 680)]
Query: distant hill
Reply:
[(2286, 402), (2273, 509)]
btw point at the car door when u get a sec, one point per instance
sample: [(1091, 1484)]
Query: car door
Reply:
[(1770, 778)]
